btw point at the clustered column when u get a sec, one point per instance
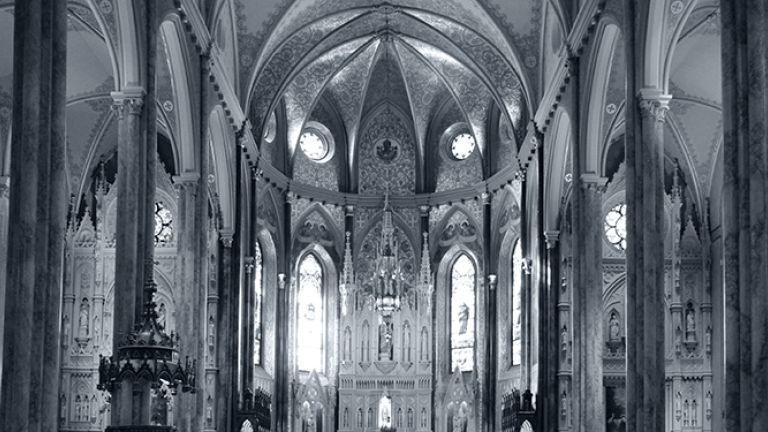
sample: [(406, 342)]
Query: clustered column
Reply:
[(37, 211), (745, 206)]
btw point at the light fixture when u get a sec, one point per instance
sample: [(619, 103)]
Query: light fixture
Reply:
[(148, 353)]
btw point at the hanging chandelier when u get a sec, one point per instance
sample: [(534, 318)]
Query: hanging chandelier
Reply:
[(148, 353), (388, 277)]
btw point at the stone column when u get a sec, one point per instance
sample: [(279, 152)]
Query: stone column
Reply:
[(547, 396), (190, 293), (226, 336), (645, 261), (489, 355), (588, 302), (37, 213), (4, 189), (745, 206)]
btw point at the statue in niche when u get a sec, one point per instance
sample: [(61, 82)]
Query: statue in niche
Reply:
[(563, 406), (85, 312), (678, 405), (690, 324), (211, 334), (346, 417), (359, 418), (96, 329), (78, 408), (564, 342), (86, 409), (423, 418), (692, 415), (94, 409), (385, 339), (161, 312), (460, 420), (65, 335), (708, 404), (407, 344), (63, 407), (209, 410), (463, 318), (614, 329), (347, 354), (424, 345)]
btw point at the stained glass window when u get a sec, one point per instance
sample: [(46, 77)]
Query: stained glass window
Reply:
[(462, 146), (310, 315), (463, 275), (163, 224), (258, 292), (517, 299), (313, 145), (615, 226)]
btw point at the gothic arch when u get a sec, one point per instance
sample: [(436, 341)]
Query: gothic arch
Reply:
[(174, 37), (600, 67), (560, 142), (222, 149)]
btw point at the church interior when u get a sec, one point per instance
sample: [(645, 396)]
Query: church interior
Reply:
[(400, 216)]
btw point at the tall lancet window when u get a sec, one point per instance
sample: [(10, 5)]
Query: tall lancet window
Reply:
[(310, 315), (463, 277), (258, 295), (517, 300)]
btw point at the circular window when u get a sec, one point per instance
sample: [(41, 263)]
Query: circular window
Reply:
[(313, 145), (462, 146), (615, 226)]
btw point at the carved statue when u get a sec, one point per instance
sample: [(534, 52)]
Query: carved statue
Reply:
[(463, 318), (84, 318), (614, 331), (65, 336), (564, 342), (690, 325), (385, 339), (211, 334)]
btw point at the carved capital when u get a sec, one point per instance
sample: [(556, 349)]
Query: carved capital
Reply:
[(5, 186), (492, 278), (593, 183), (129, 101), (250, 264), (551, 238), (653, 105), (186, 182), (226, 236), (486, 198)]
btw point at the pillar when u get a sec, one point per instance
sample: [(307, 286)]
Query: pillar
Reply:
[(226, 353), (745, 205), (587, 387), (136, 159), (37, 211), (4, 189), (548, 396), (190, 294)]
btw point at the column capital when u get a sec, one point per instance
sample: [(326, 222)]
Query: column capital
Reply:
[(653, 104), (226, 236), (593, 182), (128, 101), (349, 210), (551, 238), (5, 186), (424, 210)]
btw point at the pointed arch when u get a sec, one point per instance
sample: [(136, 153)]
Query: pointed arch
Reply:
[(222, 150)]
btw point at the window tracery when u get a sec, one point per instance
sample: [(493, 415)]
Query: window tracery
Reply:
[(463, 277), (163, 224), (310, 315), (462, 146), (615, 226)]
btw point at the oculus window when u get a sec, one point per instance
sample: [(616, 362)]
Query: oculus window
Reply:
[(313, 145), (615, 226), (310, 315), (463, 277), (462, 146)]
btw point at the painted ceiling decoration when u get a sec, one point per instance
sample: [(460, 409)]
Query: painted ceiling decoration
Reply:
[(472, 67)]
